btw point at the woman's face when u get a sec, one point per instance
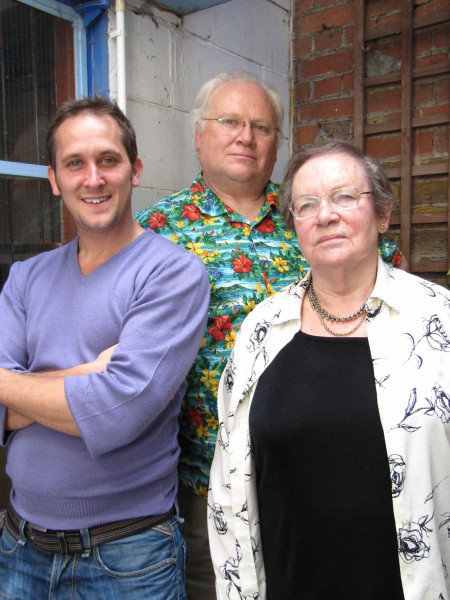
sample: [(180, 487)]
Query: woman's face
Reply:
[(336, 237)]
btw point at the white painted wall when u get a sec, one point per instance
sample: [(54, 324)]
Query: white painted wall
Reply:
[(169, 58)]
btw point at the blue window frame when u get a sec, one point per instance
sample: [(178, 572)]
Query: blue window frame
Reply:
[(50, 52)]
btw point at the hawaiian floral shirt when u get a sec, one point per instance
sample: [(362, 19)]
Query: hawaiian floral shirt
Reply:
[(246, 263)]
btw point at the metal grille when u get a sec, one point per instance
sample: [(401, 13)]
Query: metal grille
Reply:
[(36, 75)]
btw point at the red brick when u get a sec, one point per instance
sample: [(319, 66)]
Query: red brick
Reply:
[(327, 109), (331, 86), (302, 47), (442, 90), (441, 142), (424, 7), (440, 109), (306, 134), (333, 63), (348, 36), (302, 91), (302, 6), (348, 83), (383, 100), (436, 59), (440, 37), (422, 94), (328, 18), (328, 40), (384, 147), (422, 142), (382, 21), (375, 8), (422, 42)]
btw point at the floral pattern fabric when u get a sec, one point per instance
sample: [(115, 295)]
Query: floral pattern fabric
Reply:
[(246, 263), (408, 328)]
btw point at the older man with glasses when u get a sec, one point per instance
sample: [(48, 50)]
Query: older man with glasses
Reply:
[(229, 217)]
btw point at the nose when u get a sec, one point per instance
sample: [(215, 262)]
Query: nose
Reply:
[(246, 134), (93, 176), (327, 213)]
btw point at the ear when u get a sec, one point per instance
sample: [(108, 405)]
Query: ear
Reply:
[(384, 221), (138, 167), (198, 139), (52, 178)]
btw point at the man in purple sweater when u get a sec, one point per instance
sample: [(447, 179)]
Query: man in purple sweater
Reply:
[(96, 339)]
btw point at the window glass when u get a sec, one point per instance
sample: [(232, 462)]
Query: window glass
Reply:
[(36, 76)]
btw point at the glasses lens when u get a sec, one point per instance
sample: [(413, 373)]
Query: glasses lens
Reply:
[(346, 197), (305, 207)]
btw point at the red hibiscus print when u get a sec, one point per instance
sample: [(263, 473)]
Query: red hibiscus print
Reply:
[(242, 264), (266, 226), (220, 326), (157, 220), (237, 225), (197, 188), (191, 212), (194, 416), (396, 259)]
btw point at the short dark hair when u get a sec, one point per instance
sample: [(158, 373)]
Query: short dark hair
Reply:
[(99, 106), (378, 181)]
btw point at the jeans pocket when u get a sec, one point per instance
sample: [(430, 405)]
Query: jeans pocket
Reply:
[(8, 544), (138, 555)]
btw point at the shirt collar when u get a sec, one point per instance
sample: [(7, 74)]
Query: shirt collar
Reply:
[(209, 203)]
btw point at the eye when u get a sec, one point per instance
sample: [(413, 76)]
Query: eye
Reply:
[(260, 128), (228, 122), (73, 164), (108, 161)]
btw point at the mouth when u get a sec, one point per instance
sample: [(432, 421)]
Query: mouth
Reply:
[(330, 238), (96, 200)]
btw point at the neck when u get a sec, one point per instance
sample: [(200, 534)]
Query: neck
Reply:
[(245, 199), (95, 248), (342, 293)]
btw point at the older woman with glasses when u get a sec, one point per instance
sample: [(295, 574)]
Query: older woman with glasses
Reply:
[(331, 475)]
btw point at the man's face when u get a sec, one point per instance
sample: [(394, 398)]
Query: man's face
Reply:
[(230, 160), (93, 173)]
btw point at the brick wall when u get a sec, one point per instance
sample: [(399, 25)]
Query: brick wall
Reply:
[(323, 82)]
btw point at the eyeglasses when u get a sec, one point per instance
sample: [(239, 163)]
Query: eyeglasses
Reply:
[(306, 207), (259, 128)]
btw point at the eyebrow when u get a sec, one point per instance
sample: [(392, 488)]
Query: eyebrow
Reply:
[(75, 155)]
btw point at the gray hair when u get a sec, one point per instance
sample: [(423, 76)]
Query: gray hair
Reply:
[(377, 178), (204, 95)]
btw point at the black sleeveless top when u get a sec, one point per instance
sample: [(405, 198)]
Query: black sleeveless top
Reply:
[(323, 482)]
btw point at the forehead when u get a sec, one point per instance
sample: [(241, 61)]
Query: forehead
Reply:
[(243, 98), (329, 170), (87, 132)]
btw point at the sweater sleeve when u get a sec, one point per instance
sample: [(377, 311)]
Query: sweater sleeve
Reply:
[(159, 338), (13, 346)]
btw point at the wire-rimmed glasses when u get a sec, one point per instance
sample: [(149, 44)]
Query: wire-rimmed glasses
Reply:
[(306, 207)]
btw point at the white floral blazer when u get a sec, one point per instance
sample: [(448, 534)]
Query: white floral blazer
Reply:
[(408, 328)]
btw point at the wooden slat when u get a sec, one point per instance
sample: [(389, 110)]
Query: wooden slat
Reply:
[(427, 121), (418, 23), (448, 214), (358, 69), (427, 71), (420, 219), (428, 267), (436, 169), (405, 134)]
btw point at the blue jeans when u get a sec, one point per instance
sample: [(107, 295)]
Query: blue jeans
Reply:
[(149, 565)]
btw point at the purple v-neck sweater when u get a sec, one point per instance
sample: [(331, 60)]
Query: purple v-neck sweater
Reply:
[(151, 298)]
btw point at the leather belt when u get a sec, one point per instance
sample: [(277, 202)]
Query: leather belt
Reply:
[(71, 541)]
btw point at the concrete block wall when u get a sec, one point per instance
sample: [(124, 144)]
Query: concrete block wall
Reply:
[(168, 58)]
